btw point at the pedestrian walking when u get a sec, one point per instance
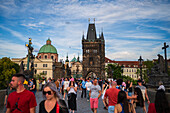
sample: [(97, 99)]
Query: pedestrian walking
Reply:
[(66, 84), (139, 102), (161, 104), (111, 94), (8, 91), (20, 100), (83, 88), (72, 94), (123, 105), (143, 90), (161, 86), (105, 87), (53, 102), (33, 86), (88, 85), (95, 93), (43, 83)]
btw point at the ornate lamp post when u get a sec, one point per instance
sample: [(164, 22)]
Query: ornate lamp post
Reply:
[(140, 64), (53, 67)]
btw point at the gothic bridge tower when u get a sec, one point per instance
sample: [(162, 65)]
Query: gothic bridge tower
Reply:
[(93, 53)]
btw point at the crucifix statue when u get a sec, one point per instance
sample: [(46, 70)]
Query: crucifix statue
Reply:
[(166, 66)]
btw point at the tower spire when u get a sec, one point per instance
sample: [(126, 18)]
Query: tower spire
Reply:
[(83, 36), (67, 58), (78, 58), (102, 36)]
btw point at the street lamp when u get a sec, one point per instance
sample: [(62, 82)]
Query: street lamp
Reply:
[(53, 67), (140, 65)]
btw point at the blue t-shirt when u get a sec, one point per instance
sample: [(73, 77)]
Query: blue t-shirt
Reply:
[(83, 84)]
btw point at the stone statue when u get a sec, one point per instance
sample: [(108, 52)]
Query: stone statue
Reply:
[(21, 69), (161, 63), (158, 73)]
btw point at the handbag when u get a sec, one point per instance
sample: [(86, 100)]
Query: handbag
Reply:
[(57, 108)]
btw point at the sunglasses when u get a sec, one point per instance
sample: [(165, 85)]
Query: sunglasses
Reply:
[(46, 92)]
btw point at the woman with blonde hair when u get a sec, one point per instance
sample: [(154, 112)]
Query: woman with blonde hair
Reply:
[(53, 102)]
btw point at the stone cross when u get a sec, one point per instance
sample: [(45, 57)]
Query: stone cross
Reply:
[(166, 66)]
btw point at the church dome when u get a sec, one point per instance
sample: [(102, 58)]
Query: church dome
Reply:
[(48, 48), (74, 59)]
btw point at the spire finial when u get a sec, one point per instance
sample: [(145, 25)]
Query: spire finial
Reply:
[(89, 20), (94, 20)]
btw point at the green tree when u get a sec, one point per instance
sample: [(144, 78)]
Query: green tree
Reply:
[(146, 70), (113, 71), (7, 69)]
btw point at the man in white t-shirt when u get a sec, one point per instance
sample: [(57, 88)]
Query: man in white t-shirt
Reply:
[(66, 84), (143, 90), (88, 85)]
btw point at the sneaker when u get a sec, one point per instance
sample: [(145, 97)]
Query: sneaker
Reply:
[(87, 100)]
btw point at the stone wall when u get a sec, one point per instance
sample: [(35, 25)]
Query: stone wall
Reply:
[(152, 93), (2, 97)]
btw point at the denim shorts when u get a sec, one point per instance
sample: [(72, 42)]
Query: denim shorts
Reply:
[(111, 109)]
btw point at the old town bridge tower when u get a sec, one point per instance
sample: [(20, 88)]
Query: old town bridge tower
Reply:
[(93, 53)]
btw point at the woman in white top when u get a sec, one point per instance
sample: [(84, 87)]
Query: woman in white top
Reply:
[(66, 84), (72, 94)]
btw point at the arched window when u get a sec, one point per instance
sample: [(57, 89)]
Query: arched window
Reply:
[(39, 57), (52, 57), (45, 57)]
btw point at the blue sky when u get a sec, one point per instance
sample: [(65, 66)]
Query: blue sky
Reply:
[(131, 27)]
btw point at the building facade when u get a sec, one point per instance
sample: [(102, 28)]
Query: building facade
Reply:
[(46, 62), (93, 53), (129, 67)]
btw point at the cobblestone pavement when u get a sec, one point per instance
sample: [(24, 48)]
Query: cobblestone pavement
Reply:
[(83, 106)]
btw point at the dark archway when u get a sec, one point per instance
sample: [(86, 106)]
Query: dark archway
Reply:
[(91, 74)]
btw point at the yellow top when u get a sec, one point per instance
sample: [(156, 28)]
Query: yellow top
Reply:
[(26, 82)]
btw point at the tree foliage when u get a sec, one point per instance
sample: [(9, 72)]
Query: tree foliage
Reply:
[(145, 71), (113, 71), (7, 69)]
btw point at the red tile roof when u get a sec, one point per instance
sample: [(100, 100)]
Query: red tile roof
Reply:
[(124, 63)]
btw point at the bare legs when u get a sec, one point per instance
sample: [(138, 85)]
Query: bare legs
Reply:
[(94, 110)]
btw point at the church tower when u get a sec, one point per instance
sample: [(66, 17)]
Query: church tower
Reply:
[(93, 53)]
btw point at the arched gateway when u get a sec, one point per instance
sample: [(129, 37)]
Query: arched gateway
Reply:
[(91, 74)]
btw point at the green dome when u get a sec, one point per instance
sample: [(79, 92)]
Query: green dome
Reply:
[(74, 60), (48, 49)]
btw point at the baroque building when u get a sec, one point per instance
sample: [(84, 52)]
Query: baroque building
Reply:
[(46, 62), (93, 53)]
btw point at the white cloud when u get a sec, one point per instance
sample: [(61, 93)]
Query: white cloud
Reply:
[(14, 33), (11, 49), (64, 22)]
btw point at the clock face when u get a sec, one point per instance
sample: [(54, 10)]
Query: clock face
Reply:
[(92, 29)]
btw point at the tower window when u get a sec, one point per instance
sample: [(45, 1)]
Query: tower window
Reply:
[(94, 51), (52, 57), (45, 57), (87, 51), (91, 61), (39, 57)]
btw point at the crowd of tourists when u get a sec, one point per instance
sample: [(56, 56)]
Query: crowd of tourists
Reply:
[(117, 96)]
